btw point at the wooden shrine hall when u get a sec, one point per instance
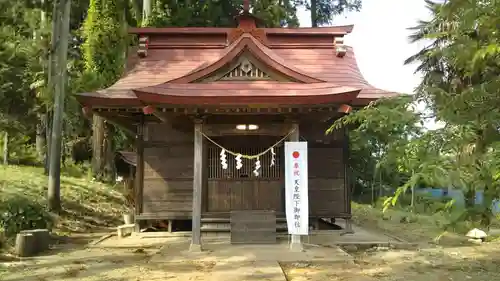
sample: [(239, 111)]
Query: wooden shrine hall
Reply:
[(190, 93)]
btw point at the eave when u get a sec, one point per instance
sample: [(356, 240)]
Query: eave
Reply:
[(247, 94)]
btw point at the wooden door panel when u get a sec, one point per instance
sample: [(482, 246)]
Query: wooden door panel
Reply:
[(228, 195), (268, 195), (219, 196), (241, 195)]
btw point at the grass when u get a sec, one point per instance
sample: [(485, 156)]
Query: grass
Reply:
[(87, 205), (416, 228)]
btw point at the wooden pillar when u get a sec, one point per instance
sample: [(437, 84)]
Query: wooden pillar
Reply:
[(295, 243), (347, 182), (139, 171), (204, 192), (197, 187)]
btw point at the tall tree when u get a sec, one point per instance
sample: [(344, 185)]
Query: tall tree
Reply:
[(104, 54), (41, 138), (63, 20), (18, 65), (50, 78), (323, 11), (146, 11), (461, 86)]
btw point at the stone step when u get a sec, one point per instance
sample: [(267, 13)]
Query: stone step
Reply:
[(222, 220), (226, 227)]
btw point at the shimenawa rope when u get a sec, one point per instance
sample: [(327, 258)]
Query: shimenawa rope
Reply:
[(256, 156)]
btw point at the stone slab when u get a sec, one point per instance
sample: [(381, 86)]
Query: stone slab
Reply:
[(248, 271), (224, 252), (253, 227)]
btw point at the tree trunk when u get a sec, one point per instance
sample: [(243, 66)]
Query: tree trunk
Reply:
[(40, 140), (373, 191), (380, 189), (109, 163), (146, 12), (63, 146), (48, 134), (413, 198), (43, 14), (51, 70), (97, 146), (103, 167), (314, 13), (412, 204), (54, 200), (6, 148)]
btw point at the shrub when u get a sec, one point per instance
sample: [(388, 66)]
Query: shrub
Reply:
[(22, 152), (19, 213), (424, 203), (72, 169)]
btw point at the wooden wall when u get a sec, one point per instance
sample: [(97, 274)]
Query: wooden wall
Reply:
[(168, 177), (328, 192), (168, 171)]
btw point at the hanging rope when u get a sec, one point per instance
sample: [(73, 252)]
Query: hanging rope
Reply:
[(248, 156)]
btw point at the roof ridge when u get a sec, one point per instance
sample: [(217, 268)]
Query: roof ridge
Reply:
[(263, 53)]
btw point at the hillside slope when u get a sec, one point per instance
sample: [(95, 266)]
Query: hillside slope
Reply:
[(87, 205)]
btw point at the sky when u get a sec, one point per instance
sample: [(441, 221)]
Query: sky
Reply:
[(380, 42)]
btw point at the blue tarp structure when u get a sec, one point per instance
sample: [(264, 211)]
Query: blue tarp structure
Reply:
[(458, 196)]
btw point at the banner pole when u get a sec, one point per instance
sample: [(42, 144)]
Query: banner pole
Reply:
[(296, 243)]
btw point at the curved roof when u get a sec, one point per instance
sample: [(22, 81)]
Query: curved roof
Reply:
[(262, 92), (308, 57), (248, 42)]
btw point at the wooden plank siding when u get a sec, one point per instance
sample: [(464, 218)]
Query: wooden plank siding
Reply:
[(326, 166), (225, 195), (168, 177), (168, 171)]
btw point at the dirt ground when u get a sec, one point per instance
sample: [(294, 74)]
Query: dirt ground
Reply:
[(150, 259), (435, 264)]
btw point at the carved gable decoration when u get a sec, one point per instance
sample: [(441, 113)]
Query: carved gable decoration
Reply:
[(245, 68)]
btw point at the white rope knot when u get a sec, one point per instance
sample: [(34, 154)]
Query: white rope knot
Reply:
[(223, 160), (239, 163), (257, 168), (273, 157)]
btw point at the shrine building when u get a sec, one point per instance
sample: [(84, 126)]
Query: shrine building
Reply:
[(192, 92)]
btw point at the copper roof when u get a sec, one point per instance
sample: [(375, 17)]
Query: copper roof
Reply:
[(262, 92), (176, 57)]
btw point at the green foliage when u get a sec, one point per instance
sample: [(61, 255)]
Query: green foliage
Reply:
[(460, 86), (21, 213), (72, 169), (21, 150), (461, 68), (17, 99), (104, 34), (377, 134), (272, 13), (87, 204), (413, 227), (426, 204)]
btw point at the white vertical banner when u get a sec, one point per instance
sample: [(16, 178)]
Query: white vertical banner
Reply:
[(296, 188)]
